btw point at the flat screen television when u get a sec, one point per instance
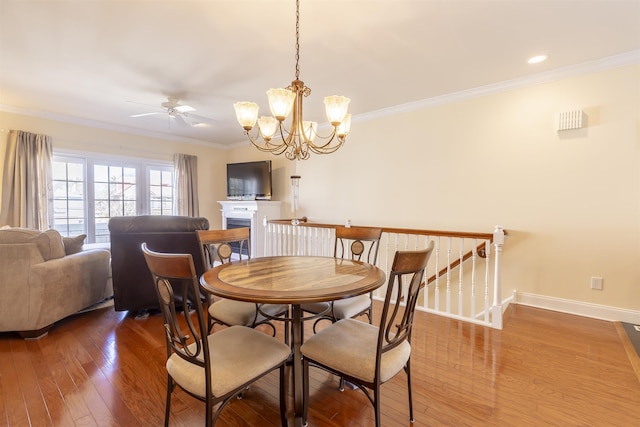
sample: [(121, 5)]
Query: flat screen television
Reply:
[(249, 180)]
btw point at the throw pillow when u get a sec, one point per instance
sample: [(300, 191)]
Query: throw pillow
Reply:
[(73, 245)]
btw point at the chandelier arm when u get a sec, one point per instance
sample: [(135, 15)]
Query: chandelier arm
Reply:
[(267, 147), (328, 143), (327, 150)]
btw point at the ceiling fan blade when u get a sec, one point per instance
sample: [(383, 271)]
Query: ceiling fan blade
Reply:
[(199, 118), (146, 114), (181, 121)]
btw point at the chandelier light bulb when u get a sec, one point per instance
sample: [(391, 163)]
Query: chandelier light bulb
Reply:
[(345, 126), (281, 102), (268, 126), (336, 108), (310, 130), (246, 114)]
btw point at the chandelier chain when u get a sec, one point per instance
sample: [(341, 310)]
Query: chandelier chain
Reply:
[(297, 39)]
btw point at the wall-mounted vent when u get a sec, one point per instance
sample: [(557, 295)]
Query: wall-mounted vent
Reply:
[(568, 120)]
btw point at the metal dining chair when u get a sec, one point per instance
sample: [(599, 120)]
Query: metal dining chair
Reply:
[(219, 246), (215, 367), (367, 355), (356, 243)]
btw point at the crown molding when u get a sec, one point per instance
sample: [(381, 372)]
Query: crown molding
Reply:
[(628, 58), (106, 126)]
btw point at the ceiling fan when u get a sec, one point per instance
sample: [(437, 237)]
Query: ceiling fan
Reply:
[(183, 114)]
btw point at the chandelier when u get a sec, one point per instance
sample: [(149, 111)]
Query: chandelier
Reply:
[(297, 142)]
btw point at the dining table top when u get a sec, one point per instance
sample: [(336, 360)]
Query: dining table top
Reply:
[(292, 279)]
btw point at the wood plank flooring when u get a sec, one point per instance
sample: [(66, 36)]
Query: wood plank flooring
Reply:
[(105, 368)]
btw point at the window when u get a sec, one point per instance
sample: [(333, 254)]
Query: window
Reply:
[(161, 191), (69, 202), (89, 191)]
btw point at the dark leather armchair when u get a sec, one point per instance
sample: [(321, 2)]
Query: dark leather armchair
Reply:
[(133, 287)]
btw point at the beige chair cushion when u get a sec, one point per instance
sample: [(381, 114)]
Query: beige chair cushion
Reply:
[(238, 355), (233, 312), (343, 308), (349, 307), (316, 307), (349, 346)]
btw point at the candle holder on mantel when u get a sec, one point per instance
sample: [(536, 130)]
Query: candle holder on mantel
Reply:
[(295, 192)]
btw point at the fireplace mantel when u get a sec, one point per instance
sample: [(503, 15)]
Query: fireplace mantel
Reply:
[(255, 211)]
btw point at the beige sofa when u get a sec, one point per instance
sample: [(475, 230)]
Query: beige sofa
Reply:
[(43, 281)]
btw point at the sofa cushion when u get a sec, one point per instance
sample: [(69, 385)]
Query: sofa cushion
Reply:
[(49, 242), (73, 245)]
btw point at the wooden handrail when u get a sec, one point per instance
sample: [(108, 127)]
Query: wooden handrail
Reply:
[(463, 234)]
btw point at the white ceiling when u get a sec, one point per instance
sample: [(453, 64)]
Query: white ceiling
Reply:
[(99, 62)]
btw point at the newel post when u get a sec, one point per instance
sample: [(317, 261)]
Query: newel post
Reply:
[(496, 309)]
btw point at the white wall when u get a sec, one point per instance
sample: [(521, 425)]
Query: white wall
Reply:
[(211, 161), (570, 200)]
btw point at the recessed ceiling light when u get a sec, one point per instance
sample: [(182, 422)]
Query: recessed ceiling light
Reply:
[(537, 59)]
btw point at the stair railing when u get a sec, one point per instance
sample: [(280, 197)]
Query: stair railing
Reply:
[(463, 274)]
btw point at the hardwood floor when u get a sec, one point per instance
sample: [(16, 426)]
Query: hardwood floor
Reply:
[(104, 368)]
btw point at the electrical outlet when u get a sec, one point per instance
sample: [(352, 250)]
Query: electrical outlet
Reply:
[(596, 283)]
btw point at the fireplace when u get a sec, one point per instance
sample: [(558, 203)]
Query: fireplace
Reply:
[(239, 223), (252, 214)]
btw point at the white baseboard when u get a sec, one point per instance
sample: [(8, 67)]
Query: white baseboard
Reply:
[(579, 308)]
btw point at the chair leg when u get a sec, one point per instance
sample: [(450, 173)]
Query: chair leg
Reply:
[(286, 327), (170, 386), (305, 390), (376, 403), (283, 396), (408, 371)]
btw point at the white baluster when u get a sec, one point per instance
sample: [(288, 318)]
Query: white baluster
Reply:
[(437, 280), (448, 275), (460, 276), (487, 282), (474, 257), (496, 310)]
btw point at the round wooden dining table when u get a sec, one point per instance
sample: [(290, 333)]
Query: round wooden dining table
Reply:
[(293, 280)]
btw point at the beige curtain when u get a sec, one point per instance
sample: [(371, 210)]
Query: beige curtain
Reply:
[(186, 185), (27, 183)]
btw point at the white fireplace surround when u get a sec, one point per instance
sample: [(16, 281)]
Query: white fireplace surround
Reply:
[(257, 211)]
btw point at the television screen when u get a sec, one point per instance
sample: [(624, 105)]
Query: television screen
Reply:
[(249, 180)]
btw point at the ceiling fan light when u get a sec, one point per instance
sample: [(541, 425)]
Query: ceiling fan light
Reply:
[(281, 102), (184, 108), (336, 107), (268, 126), (246, 114), (345, 126)]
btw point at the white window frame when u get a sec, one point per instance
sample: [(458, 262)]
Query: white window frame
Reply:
[(143, 169)]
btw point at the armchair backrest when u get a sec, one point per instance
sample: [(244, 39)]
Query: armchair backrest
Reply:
[(133, 286)]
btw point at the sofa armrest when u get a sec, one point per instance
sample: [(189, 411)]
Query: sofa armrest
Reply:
[(61, 287), (16, 261)]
